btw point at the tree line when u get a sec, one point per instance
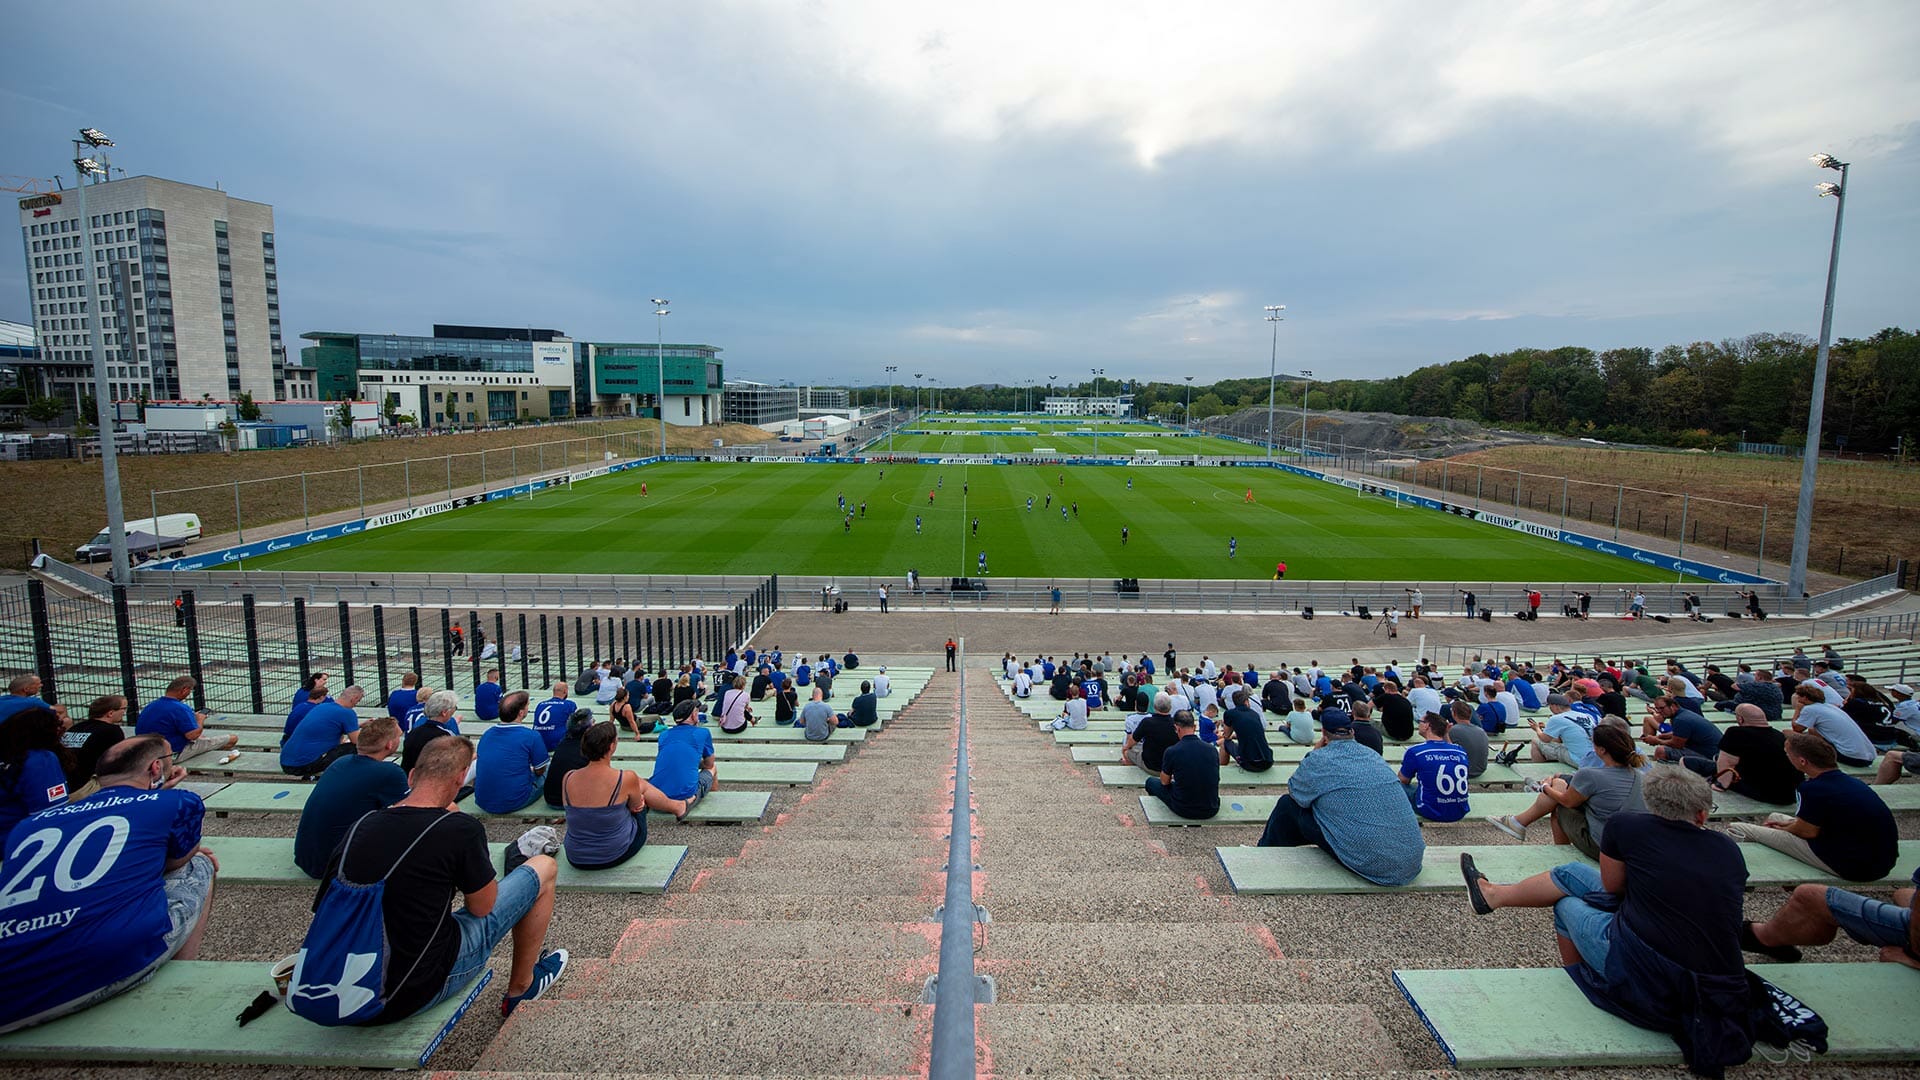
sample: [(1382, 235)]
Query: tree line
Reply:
[(1706, 394)]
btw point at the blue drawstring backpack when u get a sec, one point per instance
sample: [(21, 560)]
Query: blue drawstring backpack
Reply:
[(340, 974)]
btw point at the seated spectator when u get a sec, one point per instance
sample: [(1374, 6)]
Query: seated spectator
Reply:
[(762, 683), (685, 769), (1666, 955), (1566, 737), (1434, 773), (1145, 745), (866, 709), (1524, 691), (550, 716), (508, 765), (74, 941), (401, 701), (1897, 763), (1467, 735), (817, 717), (1753, 760), (23, 692), (1491, 717), (1579, 805), (1297, 725), (1424, 698), (1189, 780), (732, 711), (1842, 828), (486, 697), (324, 735), (350, 788), (786, 704), (605, 684), (185, 730), (1345, 799), (313, 691), (566, 757), (1873, 711), (1074, 715), (1397, 719), (33, 765), (623, 716), (1677, 731), (436, 955), (90, 738), (1850, 745), (1718, 686), (607, 807), (437, 718), (823, 678), (1816, 914), (1277, 695), (1762, 692), (1365, 731), (1244, 743), (883, 686)]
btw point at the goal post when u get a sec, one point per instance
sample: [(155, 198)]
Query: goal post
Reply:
[(559, 481), (1397, 495)]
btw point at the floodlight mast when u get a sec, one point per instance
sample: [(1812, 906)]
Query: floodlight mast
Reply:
[(88, 163), (1810, 457), (1273, 359), (660, 314)]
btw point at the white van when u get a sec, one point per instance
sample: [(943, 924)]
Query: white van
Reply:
[(167, 530)]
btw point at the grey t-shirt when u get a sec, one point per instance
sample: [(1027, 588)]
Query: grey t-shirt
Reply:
[(1473, 739), (819, 719), (1609, 791)]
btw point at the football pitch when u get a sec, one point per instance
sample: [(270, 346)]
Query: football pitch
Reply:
[(712, 518), (1068, 443)]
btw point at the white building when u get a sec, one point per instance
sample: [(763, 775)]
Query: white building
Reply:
[(186, 282), (1119, 405)]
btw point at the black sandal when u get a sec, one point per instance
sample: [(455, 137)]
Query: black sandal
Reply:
[(1474, 878)]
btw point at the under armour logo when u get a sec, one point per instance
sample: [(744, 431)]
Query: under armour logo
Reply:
[(352, 996)]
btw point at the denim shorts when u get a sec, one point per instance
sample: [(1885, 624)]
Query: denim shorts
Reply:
[(1589, 928), (481, 934), (1869, 922)]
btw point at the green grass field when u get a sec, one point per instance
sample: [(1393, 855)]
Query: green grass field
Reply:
[(1069, 443), (761, 519)]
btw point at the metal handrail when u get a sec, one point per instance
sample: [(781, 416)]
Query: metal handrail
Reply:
[(953, 1050)]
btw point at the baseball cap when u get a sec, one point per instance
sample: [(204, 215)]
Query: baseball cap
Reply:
[(1902, 689), (1335, 720), (1590, 686), (1560, 700)]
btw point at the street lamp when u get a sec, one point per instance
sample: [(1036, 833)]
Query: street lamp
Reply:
[(1304, 387), (1097, 372), (1810, 460), (1273, 358), (88, 162), (660, 314), (891, 368), (1186, 414)]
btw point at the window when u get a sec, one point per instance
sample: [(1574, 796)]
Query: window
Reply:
[(436, 398), (686, 406)]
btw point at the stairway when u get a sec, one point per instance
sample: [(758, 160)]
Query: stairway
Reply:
[(804, 954)]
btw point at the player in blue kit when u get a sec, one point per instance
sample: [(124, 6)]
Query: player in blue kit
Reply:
[(1434, 772), (101, 892)]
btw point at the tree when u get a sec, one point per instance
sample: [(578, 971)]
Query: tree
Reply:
[(89, 408), (1208, 404), (340, 420), (246, 408), (46, 410)]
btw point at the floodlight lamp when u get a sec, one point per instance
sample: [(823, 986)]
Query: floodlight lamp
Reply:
[(1276, 307), (658, 302), (94, 137), (1306, 372), (1827, 161), (1827, 189), (89, 166)]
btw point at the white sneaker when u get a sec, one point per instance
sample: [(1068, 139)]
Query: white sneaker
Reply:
[(1536, 786), (1508, 824)]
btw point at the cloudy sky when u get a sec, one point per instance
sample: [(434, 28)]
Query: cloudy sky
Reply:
[(1010, 189)]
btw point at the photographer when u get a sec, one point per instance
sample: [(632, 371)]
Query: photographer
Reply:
[(1468, 598)]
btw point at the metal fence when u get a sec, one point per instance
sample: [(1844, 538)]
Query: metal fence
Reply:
[(249, 656), (532, 591)]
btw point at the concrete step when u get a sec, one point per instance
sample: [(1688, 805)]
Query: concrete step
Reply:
[(1162, 1039), (731, 940), (688, 1038), (759, 980)]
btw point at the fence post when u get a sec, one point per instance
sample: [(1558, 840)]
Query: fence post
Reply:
[(446, 645), (42, 640), (626, 642), (193, 649), (560, 626), (579, 646), (123, 637), (380, 649), (346, 644), (500, 642), (523, 650), (473, 636), (251, 621), (413, 629), (546, 661), (646, 631), (300, 637), (595, 658)]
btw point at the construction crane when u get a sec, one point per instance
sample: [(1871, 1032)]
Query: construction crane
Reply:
[(32, 185)]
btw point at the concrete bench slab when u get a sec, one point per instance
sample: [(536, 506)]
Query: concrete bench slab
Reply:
[(256, 860)]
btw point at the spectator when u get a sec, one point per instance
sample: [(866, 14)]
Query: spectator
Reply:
[(1467, 735), (33, 765), (817, 717), (23, 692), (402, 701), (1842, 828), (1022, 683), (185, 730), (1566, 737), (566, 757), (1677, 731), (438, 718), (762, 683), (1434, 773), (1753, 759), (325, 735), (1906, 710), (509, 763), (1873, 711), (1812, 713), (883, 686), (440, 954), (1397, 718), (1491, 717), (1298, 725), (1424, 698), (486, 697), (1365, 731), (1347, 801), (550, 716), (1146, 744), (74, 942), (313, 691), (1762, 692), (605, 684), (1666, 955), (1816, 914), (1244, 743), (89, 738), (622, 714), (1580, 805), (1189, 780), (685, 769), (1073, 716), (732, 710), (866, 709), (350, 788), (786, 704), (607, 807)]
